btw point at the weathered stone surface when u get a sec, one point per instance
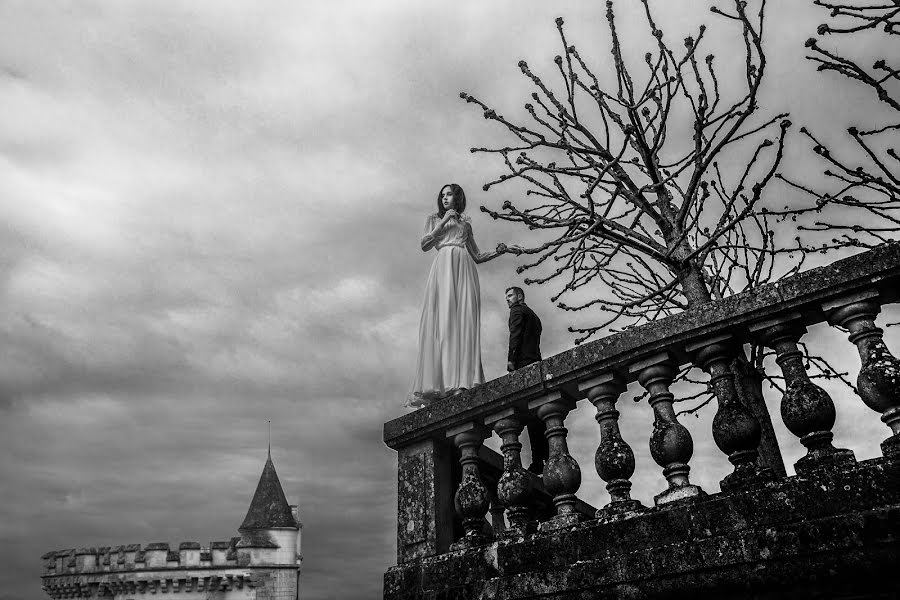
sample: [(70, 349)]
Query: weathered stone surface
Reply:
[(424, 497), (833, 533), (515, 388)]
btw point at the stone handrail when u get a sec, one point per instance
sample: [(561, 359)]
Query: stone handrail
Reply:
[(442, 506)]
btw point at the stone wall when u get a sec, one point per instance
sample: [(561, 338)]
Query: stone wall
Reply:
[(830, 533)]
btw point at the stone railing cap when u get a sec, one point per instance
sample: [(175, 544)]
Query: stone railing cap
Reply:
[(516, 388)]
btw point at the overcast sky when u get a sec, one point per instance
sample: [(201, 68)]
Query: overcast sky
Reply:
[(209, 218)]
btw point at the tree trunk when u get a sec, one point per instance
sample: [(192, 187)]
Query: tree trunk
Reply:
[(693, 288), (747, 380), (749, 387)]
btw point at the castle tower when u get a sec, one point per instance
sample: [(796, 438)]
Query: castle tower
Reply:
[(270, 533), (263, 563)]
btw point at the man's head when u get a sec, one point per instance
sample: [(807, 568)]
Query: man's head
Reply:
[(514, 295)]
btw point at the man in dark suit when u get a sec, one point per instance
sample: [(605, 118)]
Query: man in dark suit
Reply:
[(524, 349), (524, 331)]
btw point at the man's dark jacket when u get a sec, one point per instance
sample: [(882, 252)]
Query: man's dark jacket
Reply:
[(524, 336)]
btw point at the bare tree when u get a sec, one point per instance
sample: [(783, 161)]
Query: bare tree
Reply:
[(863, 173), (657, 218), (652, 216)]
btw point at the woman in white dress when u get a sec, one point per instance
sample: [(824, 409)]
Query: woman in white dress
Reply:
[(449, 357)]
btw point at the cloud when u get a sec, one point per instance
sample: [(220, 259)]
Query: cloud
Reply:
[(209, 219)]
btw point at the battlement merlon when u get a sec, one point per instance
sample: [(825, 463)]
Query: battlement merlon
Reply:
[(276, 549)]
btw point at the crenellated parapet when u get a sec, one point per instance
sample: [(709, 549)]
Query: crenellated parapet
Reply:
[(134, 557)]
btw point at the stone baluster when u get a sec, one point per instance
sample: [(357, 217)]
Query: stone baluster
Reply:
[(561, 476), (806, 409), (471, 499), (514, 489), (670, 443), (736, 430), (879, 378), (614, 458)]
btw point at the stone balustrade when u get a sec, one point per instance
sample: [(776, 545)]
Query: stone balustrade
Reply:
[(444, 507)]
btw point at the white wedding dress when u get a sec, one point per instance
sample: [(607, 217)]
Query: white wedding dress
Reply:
[(449, 356)]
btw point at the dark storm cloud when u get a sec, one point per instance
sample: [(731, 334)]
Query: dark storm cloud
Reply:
[(209, 214)]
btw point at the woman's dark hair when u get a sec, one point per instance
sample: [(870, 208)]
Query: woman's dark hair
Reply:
[(459, 199)]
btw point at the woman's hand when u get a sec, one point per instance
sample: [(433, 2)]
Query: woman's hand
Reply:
[(504, 249), (448, 217)]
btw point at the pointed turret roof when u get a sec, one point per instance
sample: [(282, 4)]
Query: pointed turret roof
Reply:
[(269, 508)]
